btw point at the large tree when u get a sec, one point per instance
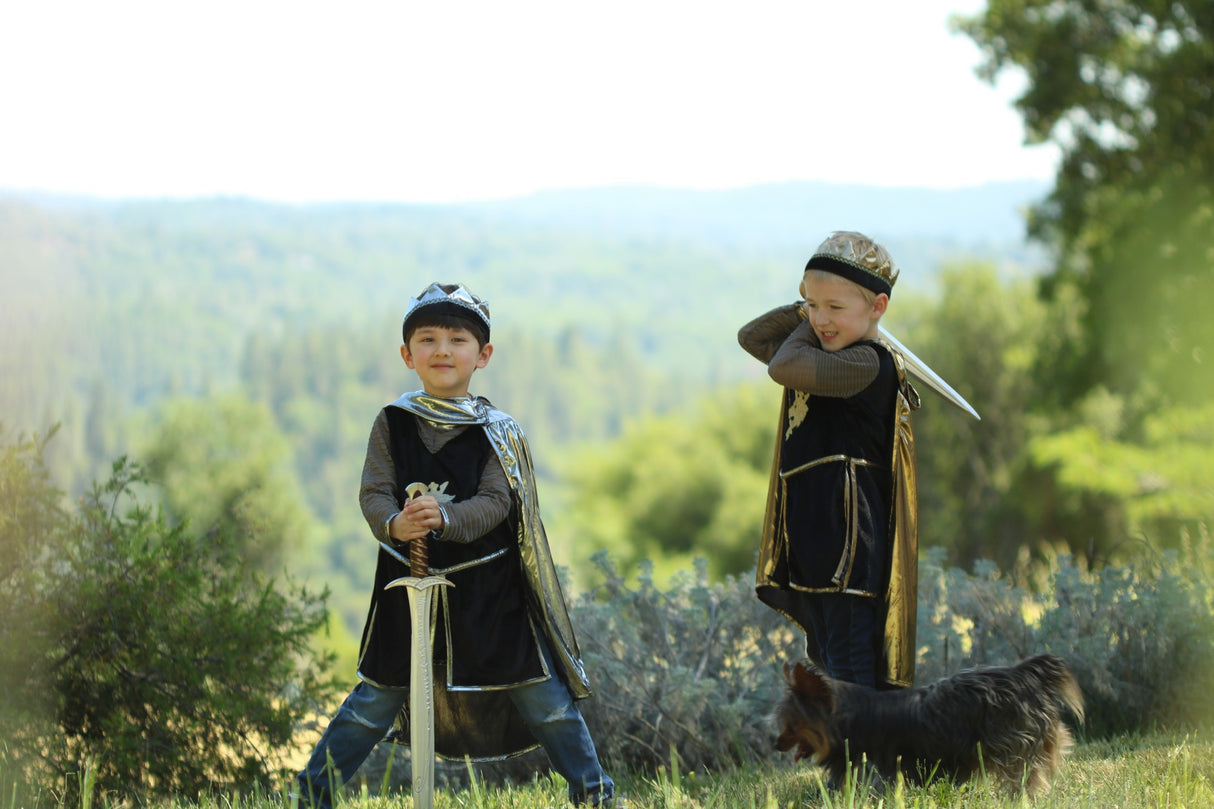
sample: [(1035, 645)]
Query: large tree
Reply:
[(1124, 88), (675, 487)]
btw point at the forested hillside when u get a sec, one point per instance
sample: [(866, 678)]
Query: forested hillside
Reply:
[(241, 349), (110, 306), (609, 306)]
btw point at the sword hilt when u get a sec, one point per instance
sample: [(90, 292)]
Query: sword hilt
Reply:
[(419, 557), (419, 551)]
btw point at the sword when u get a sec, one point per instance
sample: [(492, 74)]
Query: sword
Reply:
[(920, 370), (420, 589)]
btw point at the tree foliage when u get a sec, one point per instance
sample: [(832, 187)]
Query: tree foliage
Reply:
[(224, 463), (674, 487), (1097, 493), (149, 658), (1124, 88), (984, 335), (1121, 85)]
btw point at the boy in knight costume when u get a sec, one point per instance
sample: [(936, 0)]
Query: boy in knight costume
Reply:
[(839, 552), (450, 470)]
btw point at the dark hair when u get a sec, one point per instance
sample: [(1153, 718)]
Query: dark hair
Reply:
[(444, 316)]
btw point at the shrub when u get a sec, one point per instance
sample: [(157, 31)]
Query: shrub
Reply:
[(148, 659), (1139, 638), (689, 673)]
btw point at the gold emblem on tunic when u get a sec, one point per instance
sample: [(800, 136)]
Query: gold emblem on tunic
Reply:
[(797, 411)]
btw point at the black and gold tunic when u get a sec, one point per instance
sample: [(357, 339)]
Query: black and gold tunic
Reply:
[(835, 487), (505, 595), (841, 506), (487, 640)]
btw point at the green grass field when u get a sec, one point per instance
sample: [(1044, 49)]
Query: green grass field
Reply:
[(1152, 771), (1147, 771), (1157, 771)]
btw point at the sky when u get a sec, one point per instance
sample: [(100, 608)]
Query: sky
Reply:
[(445, 101)]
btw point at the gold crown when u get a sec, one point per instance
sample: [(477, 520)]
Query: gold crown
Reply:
[(448, 295), (857, 258)]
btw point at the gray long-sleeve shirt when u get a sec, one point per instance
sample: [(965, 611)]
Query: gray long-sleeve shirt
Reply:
[(467, 520), (786, 343)]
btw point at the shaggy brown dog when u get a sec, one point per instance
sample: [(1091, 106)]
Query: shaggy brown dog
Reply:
[(1004, 721)]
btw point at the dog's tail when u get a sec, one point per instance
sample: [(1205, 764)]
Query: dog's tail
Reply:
[(1056, 679)]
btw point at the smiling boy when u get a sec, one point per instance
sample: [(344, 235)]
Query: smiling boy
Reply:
[(506, 663), (841, 504)]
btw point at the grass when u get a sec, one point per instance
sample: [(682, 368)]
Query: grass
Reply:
[(1151, 771), (1162, 770)]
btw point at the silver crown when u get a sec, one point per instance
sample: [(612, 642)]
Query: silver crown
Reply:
[(457, 294)]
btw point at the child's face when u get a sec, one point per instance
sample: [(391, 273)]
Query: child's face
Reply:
[(839, 312), (445, 359)]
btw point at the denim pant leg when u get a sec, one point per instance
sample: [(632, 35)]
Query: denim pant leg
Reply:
[(553, 716), (361, 722), (846, 630)]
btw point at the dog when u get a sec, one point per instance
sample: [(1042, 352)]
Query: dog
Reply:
[(1007, 722)]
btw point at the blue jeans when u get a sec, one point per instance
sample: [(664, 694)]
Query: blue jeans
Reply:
[(368, 713), (845, 627)]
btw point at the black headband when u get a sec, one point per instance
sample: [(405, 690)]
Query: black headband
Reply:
[(865, 278)]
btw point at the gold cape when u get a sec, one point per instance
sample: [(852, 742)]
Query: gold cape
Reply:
[(897, 664)]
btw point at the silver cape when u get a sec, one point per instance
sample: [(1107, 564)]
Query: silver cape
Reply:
[(510, 445)]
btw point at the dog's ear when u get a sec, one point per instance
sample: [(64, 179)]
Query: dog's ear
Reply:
[(809, 682)]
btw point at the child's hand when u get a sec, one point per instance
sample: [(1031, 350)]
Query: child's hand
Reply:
[(417, 519)]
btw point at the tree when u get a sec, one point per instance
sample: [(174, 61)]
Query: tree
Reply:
[(135, 657), (677, 487), (1105, 496), (984, 335), (1123, 87), (224, 462)]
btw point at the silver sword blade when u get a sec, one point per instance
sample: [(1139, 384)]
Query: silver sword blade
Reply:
[(420, 593), (920, 370)]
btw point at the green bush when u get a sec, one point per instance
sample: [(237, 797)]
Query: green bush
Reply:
[(687, 673), (139, 659), (1139, 638), (692, 672)]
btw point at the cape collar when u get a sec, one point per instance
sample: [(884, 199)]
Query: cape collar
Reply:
[(450, 412)]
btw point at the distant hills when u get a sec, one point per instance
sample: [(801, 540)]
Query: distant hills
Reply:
[(770, 216), (139, 298)]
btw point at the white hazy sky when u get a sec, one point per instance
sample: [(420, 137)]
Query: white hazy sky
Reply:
[(443, 100)]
